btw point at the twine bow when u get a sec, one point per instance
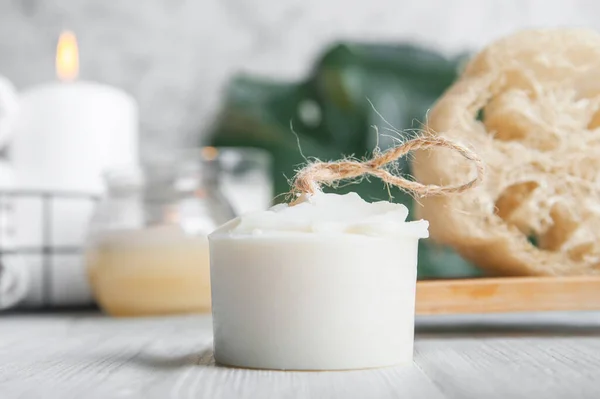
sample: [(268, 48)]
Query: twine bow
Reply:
[(309, 179)]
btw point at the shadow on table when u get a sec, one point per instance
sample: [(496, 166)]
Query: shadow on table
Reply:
[(162, 361)]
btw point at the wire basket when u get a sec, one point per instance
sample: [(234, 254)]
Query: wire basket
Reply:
[(41, 248)]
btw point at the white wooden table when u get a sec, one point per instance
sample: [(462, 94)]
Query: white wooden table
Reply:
[(79, 355)]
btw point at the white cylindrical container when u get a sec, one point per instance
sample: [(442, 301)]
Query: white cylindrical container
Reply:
[(328, 284)]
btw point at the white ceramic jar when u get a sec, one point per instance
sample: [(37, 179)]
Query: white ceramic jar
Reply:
[(328, 284)]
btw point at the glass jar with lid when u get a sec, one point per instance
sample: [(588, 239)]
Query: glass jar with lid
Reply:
[(147, 248)]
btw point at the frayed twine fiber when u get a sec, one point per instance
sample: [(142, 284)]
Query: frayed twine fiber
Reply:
[(310, 178)]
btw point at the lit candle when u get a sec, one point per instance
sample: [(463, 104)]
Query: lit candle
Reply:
[(69, 131), (66, 133), (327, 282)]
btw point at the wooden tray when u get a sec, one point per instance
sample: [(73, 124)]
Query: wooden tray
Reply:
[(508, 294)]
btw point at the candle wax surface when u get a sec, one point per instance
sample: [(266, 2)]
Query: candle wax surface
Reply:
[(329, 214), (66, 134)]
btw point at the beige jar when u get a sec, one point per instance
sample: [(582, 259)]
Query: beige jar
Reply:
[(147, 251)]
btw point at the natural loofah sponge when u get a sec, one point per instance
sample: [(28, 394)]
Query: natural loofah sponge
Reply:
[(529, 105)]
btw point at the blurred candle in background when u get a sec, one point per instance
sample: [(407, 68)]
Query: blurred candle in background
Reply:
[(69, 131), (66, 133)]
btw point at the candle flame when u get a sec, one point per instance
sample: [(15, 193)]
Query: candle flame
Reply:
[(209, 153), (67, 57)]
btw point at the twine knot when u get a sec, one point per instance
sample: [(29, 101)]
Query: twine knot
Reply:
[(309, 179)]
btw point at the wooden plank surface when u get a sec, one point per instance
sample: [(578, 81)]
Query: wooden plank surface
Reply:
[(509, 294), (66, 356)]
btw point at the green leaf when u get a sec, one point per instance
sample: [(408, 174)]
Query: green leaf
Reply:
[(333, 112)]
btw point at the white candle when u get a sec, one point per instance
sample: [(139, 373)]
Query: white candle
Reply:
[(66, 134), (327, 284)]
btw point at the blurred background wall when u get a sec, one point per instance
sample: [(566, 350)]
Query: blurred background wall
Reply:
[(175, 56)]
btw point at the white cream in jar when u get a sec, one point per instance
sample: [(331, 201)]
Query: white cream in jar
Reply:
[(326, 284), (154, 271)]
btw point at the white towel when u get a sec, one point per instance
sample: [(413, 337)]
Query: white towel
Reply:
[(14, 282), (8, 107), (14, 274)]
